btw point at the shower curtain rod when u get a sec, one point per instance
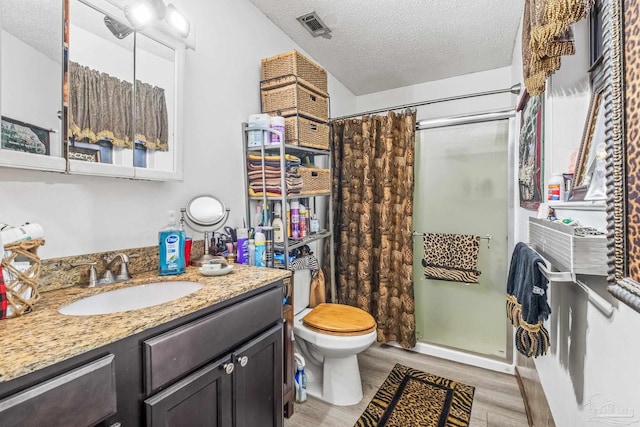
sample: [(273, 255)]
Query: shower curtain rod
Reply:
[(515, 89)]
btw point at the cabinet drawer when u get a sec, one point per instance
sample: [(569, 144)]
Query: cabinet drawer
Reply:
[(175, 353), (81, 397)]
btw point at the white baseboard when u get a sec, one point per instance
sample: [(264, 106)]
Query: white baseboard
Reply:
[(461, 357)]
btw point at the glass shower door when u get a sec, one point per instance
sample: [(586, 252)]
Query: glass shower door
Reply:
[(461, 187)]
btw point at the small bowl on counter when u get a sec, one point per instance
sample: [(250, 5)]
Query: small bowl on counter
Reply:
[(215, 268)]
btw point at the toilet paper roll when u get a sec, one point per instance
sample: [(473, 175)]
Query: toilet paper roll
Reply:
[(24, 232)]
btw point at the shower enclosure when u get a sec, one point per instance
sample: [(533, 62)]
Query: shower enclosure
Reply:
[(462, 186)]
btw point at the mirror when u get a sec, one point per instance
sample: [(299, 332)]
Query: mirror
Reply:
[(205, 214), (101, 75), (155, 101), (31, 84), (589, 181), (623, 148)]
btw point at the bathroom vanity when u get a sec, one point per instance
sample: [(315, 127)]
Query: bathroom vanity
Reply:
[(213, 358)]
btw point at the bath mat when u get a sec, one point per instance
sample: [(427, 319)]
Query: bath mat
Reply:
[(451, 257), (409, 397)]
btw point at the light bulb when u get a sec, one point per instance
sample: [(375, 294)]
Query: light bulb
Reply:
[(177, 20), (139, 14)]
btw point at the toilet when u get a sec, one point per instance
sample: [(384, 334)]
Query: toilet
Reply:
[(329, 337)]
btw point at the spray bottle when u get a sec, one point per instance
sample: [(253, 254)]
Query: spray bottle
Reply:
[(300, 379)]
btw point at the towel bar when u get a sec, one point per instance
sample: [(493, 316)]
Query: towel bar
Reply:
[(600, 303)]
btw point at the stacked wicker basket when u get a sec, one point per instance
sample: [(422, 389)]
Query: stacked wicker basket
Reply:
[(297, 88)]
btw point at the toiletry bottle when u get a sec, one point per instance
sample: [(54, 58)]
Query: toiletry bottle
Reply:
[(258, 218), (295, 220), (171, 246), (277, 124), (278, 232), (288, 212), (260, 242), (252, 252), (314, 224), (303, 221), (554, 188), (300, 379), (269, 248), (243, 245)]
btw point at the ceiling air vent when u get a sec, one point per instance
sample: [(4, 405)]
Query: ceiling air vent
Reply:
[(313, 24)]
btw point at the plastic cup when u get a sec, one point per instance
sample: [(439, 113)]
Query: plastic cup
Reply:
[(187, 250)]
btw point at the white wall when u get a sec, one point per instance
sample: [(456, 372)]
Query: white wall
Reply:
[(593, 360), (31, 87), (83, 214)]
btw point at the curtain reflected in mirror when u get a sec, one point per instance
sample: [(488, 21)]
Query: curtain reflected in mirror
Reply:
[(128, 125), (31, 76), (101, 75), (155, 100)]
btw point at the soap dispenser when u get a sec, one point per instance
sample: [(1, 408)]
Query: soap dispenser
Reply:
[(171, 246)]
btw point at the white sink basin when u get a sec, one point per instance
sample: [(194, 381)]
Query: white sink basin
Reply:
[(133, 298)]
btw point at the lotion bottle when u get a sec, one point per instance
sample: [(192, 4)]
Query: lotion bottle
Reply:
[(278, 232)]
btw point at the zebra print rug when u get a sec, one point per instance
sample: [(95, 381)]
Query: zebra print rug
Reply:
[(409, 397)]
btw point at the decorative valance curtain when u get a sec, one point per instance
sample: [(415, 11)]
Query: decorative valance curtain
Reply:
[(546, 36), (373, 160), (101, 106)]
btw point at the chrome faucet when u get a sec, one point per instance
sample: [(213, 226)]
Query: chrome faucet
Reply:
[(108, 277)]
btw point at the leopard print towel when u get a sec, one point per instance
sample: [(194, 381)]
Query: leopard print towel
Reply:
[(451, 257)]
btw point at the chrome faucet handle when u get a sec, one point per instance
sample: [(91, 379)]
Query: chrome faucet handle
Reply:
[(93, 272)]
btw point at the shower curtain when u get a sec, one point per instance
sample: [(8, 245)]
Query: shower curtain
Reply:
[(373, 159)]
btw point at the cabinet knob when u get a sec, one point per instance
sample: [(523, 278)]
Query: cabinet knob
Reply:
[(228, 368), (243, 361)]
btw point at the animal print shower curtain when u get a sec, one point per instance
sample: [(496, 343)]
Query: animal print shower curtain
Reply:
[(373, 159)]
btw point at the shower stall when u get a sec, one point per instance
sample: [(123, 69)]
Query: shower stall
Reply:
[(464, 185)]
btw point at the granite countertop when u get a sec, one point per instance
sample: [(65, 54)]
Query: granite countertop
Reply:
[(45, 337)]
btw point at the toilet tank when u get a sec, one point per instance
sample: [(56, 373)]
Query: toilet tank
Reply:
[(301, 289)]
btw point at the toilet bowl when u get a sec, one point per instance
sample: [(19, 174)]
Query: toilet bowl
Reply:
[(330, 337)]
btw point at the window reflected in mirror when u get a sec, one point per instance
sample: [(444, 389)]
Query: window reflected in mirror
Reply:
[(31, 77)]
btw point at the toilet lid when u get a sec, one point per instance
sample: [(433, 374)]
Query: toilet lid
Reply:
[(339, 319)]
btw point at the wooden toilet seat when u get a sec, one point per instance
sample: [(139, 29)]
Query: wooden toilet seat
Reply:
[(339, 319)]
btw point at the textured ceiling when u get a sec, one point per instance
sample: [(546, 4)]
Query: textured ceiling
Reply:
[(31, 21), (39, 24), (385, 44)]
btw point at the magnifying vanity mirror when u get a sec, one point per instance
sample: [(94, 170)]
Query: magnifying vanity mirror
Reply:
[(205, 214)]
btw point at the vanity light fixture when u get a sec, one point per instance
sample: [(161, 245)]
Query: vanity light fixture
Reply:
[(177, 20), (141, 12)]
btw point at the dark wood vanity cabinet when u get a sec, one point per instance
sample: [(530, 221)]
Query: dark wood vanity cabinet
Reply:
[(220, 366), (83, 396), (242, 389)]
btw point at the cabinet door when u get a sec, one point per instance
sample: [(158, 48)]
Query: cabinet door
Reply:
[(257, 381), (203, 399)]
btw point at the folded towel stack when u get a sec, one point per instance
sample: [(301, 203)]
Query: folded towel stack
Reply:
[(273, 183)]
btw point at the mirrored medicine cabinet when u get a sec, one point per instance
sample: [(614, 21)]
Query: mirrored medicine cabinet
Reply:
[(82, 92)]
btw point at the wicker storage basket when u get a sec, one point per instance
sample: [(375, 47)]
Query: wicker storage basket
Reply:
[(293, 99), (306, 133), (283, 69), (315, 181), (21, 283)]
